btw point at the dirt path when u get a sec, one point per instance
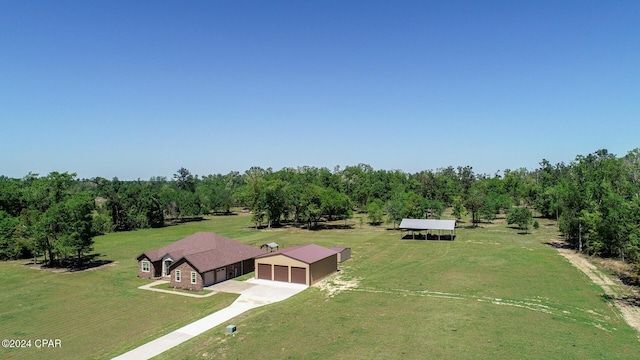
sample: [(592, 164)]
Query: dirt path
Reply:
[(612, 288)]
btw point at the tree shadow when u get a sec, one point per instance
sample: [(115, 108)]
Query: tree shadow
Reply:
[(558, 244), (223, 213), (332, 227), (88, 262), (184, 220), (631, 300)]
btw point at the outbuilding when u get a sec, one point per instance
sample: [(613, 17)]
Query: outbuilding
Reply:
[(304, 264), (344, 253), (434, 229)]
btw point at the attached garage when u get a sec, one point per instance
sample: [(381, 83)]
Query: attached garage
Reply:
[(221, 274), (209, 278), (305, 264)]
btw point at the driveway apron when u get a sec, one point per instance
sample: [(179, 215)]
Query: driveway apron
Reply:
[(253, 293)]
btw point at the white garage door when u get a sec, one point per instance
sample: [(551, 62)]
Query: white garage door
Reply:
[(221, 274), (208, 278)]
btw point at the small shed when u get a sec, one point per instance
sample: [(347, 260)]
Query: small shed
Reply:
[(270, 247), (344, 253), (434, 229), (304, 264)]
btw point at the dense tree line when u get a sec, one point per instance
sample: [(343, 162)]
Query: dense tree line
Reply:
[(594, 199), (49, 215)]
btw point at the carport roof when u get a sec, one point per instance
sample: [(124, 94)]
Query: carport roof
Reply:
[(308, 254), (427, 224)]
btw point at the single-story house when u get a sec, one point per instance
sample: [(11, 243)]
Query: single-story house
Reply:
[(429, 225), (343, 253), (304, 264), (199, 260)]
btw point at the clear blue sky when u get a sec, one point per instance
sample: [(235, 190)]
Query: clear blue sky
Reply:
[(136, 89)]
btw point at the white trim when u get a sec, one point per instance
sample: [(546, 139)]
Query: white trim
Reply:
[(178, 275), (194, 277), (147, 264)]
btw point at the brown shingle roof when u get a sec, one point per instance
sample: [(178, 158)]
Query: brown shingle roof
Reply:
[(308, 254), (205, 251)]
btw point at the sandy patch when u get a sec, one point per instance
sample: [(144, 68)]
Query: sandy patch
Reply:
[(613, 288), (336, 284)]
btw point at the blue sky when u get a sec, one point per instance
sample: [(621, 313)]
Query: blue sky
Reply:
[(136, 89)]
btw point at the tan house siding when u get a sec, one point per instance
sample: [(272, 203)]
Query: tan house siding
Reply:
[(185, 281), (280, 260), (315, 271), (344, 255), (323, 268)]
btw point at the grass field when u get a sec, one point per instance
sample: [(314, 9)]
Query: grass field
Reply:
[(491, 293)]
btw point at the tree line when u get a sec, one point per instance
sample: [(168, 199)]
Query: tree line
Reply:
[(594, 199)]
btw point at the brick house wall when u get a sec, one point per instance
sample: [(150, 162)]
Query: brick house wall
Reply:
[(185, 281), (143, 274)]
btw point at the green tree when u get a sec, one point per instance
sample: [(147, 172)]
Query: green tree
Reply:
[(435, 208), (459, 210), (77, 234), (374, 212), (521, 216), (474, 204), (395, 208), (185, 180), (334, 204)]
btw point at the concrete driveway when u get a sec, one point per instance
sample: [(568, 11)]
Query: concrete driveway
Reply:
[(253, 293)]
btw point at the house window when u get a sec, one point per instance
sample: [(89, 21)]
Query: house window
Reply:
[(146, 266), (194, 280), (178, 275)]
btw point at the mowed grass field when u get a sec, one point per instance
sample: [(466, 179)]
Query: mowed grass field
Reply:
[(492, 293)]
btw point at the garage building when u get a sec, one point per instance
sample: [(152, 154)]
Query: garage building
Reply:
[(304, 264)]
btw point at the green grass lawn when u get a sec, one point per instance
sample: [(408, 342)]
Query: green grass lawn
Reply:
[(491, 293)]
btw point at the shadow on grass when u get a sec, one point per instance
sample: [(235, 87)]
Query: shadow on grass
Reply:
[(184, 220), (332, 227), (318, 227), (559, 244), (223, 213), (89, 262), (631, 300)]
